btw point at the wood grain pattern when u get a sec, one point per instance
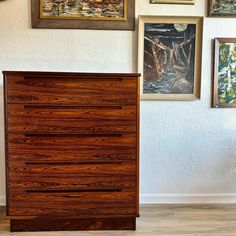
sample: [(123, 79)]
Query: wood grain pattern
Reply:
[(73, 204), (125, 168), (21, 182), (138, 145), (75, 198), (71, 141), (72, 150), (60, 119), (72, 155), (69, 207), (65, 224), (71, 90)]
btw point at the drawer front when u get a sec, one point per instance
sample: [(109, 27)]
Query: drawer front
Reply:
[(67, 90), (74, 119), (73, 203), (71, 155), (70, 169), (71, 142), (25, 182)]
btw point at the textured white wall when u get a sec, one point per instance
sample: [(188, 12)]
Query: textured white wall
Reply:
[(187, 148)]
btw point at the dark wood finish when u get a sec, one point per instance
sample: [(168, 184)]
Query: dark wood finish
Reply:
[(72, 151), (22, 182), (71, 141), (63, 224), (6, 144), (60, 119), (73, 204), (215, 101), (126, 24), (137, 147), (72, 155), (80, 91), (78, 170)]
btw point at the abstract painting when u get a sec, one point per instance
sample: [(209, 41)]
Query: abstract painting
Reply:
[(83, 14), (99, 9), (224, 94), (170, 52), (222, 8)]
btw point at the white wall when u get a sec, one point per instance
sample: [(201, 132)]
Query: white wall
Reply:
[(187, 148)]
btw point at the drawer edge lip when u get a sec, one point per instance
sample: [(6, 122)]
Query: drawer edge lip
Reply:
[(14, 217), (6, 148), (53, 74)]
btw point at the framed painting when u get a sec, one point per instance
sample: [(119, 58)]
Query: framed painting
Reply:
[(83, 14), (223, 8), (224, 88), (170, 57), (173, 1)]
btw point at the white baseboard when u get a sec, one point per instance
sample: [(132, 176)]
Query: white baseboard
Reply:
[(187, 198), (2, 201)]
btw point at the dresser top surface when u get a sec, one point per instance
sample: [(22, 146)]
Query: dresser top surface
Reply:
[(85, 74)]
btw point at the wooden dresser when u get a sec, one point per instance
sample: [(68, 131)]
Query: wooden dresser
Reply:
[(72, 150)]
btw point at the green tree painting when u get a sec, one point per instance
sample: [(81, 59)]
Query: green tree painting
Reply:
[(227, 73), (223, 7)]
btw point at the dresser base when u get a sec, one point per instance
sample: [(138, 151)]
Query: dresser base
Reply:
[(65, 224)]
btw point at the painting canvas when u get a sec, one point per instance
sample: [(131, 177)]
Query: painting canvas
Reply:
[(225, 73), (222, 8), (99, 9), (83, 14), (169, 59), (173, 1)]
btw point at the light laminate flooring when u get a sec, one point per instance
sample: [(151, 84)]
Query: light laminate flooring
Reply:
[(162, 220)]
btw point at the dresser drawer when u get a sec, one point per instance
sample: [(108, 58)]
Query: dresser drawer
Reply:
[(72, 169), (71, 155), (73, 203), (72, 119), (25, 182), (71, 142), (80, 90)]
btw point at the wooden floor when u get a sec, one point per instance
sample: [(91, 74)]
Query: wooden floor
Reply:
[(163, 220)]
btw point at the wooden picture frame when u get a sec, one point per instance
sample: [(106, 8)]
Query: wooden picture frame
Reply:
[(218, 8), (224, 79), (188, 2), (170, 49), (83, 15)]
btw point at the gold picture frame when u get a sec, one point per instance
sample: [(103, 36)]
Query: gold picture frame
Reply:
[(81, 14), (190, 2), (170, 50)]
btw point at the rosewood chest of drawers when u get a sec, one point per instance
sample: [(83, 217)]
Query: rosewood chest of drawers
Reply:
[(72, 150)]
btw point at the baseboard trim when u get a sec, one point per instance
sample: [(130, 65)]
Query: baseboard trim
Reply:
[(187, 198), (2, 201)]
